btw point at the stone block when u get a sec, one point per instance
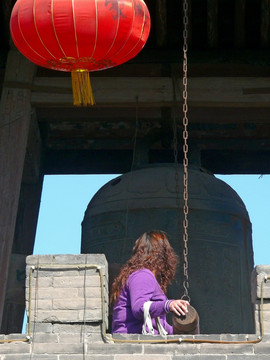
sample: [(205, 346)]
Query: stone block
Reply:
[(199, 357), (14, 337), (42, 304), (246, 349), (142, 357), (33, 357), (15, 348), (46, 328), (54, 293), (263, 348), (76, 282), (75, 338), (266, 321), (249, 357), (259, 276), (77, 303), (90, 292), (43, 348), (45, 338), (38, 259), (87, 357), (90, 315), (43, 282), (59, 316), (171, 349), (114, 349), (77, 328), (78, 338)]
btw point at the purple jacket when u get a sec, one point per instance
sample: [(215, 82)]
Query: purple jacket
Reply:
[(140, 287)]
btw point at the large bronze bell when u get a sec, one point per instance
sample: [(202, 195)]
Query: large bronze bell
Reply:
[(220, 254)]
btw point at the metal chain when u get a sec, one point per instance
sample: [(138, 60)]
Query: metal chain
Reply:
[(176, 164), (123, 251), (185, 149)]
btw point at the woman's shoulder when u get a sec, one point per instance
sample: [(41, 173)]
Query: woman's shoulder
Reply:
[(141, 273)]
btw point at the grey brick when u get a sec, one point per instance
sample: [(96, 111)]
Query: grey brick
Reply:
[(42, 328), (226, 349), (42, 282), (33, 357), (90, 315), (266, 305), (199, 357), (57, 316), (262, 348), (86, 357), (51, 348), (94, 338), (142, 357), (77, 303), (44, 304), (54, 293), (76, 338), (171, 349), (114, 349), (15, 348), (15, 337), (90, 292), (126, 336), (236, 337), (76, 282), (39, 259), (77, 328), (248, 357), (44, 338)]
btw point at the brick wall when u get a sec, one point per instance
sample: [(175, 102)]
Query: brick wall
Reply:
[(64, 302)]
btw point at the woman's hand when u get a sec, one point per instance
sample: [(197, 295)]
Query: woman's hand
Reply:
[(179, 307)]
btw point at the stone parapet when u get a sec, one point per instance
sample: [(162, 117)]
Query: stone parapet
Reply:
[(66, 289), (57, 291), (260, 285)]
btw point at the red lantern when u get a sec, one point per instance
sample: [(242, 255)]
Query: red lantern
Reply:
[(79, 35)]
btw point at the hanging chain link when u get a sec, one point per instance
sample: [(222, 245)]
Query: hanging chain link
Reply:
[(176, 164), (185, 149)]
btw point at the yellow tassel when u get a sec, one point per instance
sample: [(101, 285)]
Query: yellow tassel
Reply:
[(81, 87)]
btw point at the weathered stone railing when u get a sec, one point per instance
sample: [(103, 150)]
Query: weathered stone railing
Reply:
[(67, 303), (65, 291)]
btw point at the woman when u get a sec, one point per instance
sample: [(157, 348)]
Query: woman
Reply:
[(143, 278)]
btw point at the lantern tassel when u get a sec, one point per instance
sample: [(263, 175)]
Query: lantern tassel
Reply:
[(81, 87)]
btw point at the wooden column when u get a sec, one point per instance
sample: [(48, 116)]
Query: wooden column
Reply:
[(25, 231), (161, 23), (265, 23), (15, 113), (239, 23), (212, 23)]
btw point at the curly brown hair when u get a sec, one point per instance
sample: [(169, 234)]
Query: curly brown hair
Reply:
[(152, 251)]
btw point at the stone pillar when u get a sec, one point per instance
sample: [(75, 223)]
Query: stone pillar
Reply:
[(63, 294), (261, 286)]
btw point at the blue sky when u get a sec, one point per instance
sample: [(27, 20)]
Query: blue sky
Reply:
[(65, 198)]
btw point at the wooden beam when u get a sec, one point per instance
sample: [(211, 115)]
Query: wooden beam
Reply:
[(212, 23), (265, 23), (15, 113), (231, 92), (239, 23)]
